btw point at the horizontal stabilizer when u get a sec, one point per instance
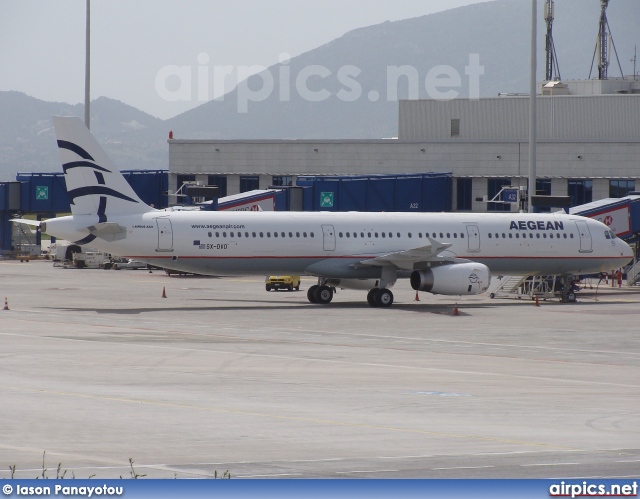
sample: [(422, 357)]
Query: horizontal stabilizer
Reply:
[(33, 223)]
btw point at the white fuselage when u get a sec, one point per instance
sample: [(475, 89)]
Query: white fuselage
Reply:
[(331, 244)]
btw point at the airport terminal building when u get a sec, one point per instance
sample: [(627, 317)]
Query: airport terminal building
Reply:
[(588, 147)]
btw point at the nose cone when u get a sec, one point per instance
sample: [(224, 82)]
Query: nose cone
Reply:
[(626, 251)]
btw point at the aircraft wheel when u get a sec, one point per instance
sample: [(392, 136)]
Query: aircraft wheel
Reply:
[(311, 294), (383, 298), (323, 295), (371, 297), (492, 295)]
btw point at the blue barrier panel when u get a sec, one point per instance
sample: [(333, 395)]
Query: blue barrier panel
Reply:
[(436, 193), (353, 194), (408, 195), (381, 194), (280, 200)]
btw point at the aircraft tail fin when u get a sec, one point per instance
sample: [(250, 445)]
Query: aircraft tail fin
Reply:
[(95, 186)]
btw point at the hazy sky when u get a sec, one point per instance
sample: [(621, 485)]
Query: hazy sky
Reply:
[(42, 42)]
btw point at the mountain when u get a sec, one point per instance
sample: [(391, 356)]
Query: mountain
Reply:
[(498, 31), (28, 143), (356, 63)]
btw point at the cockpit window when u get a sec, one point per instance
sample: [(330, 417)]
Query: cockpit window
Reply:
[(613, 236), (607, 234)]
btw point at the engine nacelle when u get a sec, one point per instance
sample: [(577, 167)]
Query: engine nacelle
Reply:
[(455, 279)]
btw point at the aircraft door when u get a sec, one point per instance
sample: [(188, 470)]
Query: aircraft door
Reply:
[(165, 234), (328, 238), (585, 237), (473, 236)]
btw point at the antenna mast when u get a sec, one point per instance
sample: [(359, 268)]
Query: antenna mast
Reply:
[(552, 69), (602, 45)]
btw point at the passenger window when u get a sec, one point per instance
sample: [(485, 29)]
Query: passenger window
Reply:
[(398, 234), (311, 234), (517, 236), (462, 235), (261, 234), (362, 235), (510, 235), (448, 236), (538, 235), (304, 234), (268, 234), (564, 235), (339, 234), (283, 234), (384, 235), (297, 234), (246, 234), (376, 235), (441, 235), (217, 234), (224, 234), (571, 236), (275, 234), (390, 235), (239, 234), (455, 235), (231, 234), (420, 235), (210, 234), (409, 235), (489, 235), (348, 235)]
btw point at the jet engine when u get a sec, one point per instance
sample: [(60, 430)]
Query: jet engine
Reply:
[(455, 279)]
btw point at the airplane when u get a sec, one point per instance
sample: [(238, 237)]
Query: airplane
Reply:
[(440, 253)]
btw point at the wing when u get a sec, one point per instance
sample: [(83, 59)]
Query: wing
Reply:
[(412, 259)]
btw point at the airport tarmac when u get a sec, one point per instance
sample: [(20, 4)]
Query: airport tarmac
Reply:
[(96, 368)]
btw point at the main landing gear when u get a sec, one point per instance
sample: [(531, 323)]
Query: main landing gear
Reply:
[(380, 297), (322, 295)]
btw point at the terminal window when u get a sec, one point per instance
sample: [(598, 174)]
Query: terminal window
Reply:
[(249, 183), (220, 181), (282, 180), (621, 188), (580, 191), (494, 186)]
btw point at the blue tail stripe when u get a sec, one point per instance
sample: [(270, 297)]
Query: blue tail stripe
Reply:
[(64, 144), (77, 164), (102, 217), (86, 240), (96, 189)]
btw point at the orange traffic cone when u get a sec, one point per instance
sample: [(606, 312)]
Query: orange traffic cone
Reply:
[(6, 304), (455, 310), (164, 292), (537, 301), (417, 297)]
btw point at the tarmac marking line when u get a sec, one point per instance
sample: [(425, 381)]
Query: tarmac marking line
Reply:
[(328, 422)]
